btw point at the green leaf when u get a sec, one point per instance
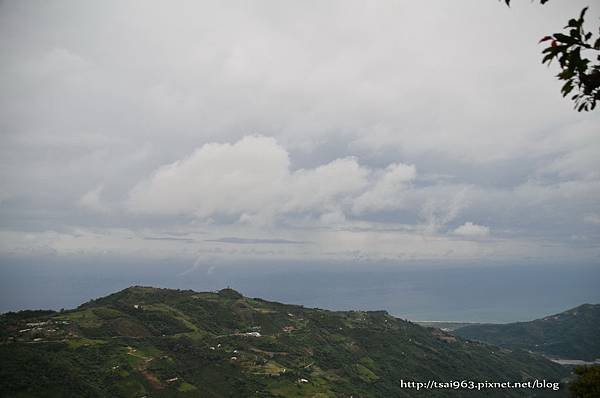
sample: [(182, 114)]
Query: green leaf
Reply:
[(566, 74), (563, 38), (567, 88), (547, 58), (574, 33)]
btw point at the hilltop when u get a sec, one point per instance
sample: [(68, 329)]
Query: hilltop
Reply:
[(572, 334), (146, 341)]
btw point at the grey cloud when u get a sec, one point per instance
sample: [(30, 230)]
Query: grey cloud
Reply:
[(169, 238), (472, 230), (247, 241), (97, 98)]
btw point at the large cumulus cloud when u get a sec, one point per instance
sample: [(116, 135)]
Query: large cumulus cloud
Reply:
[(251, 180)]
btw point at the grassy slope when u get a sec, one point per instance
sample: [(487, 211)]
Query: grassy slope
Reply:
[(573, 334), (183, 343)]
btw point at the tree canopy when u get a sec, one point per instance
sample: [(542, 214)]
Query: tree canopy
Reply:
[(575, 49), (587, 384)]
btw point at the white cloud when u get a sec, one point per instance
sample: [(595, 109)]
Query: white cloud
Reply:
[(216, 179), (386, 193), (356, 242), (469, 229), (440, 205), (91, 200), (326, 187), (573, 151), (250, 179)]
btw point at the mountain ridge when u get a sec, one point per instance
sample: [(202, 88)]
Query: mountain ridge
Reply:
[(182, 343), (571, 334)]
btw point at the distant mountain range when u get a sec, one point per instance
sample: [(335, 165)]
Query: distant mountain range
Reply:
[(573, 334), (151, 342)]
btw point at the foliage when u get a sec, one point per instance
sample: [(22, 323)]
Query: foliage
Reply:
[(173, 343), (578, 71), (587, 384), (572, 334)]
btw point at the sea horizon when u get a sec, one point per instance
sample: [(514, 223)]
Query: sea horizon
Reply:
[(414, 291)]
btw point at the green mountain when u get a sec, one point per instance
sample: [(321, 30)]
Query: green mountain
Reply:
[(153, 342), (573, 334)]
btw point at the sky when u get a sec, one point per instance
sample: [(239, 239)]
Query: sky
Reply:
[(361, 131)]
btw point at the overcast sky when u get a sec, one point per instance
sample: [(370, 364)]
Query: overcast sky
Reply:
[(338, 130)]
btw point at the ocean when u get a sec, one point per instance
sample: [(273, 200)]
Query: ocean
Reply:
[(416, 291)]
